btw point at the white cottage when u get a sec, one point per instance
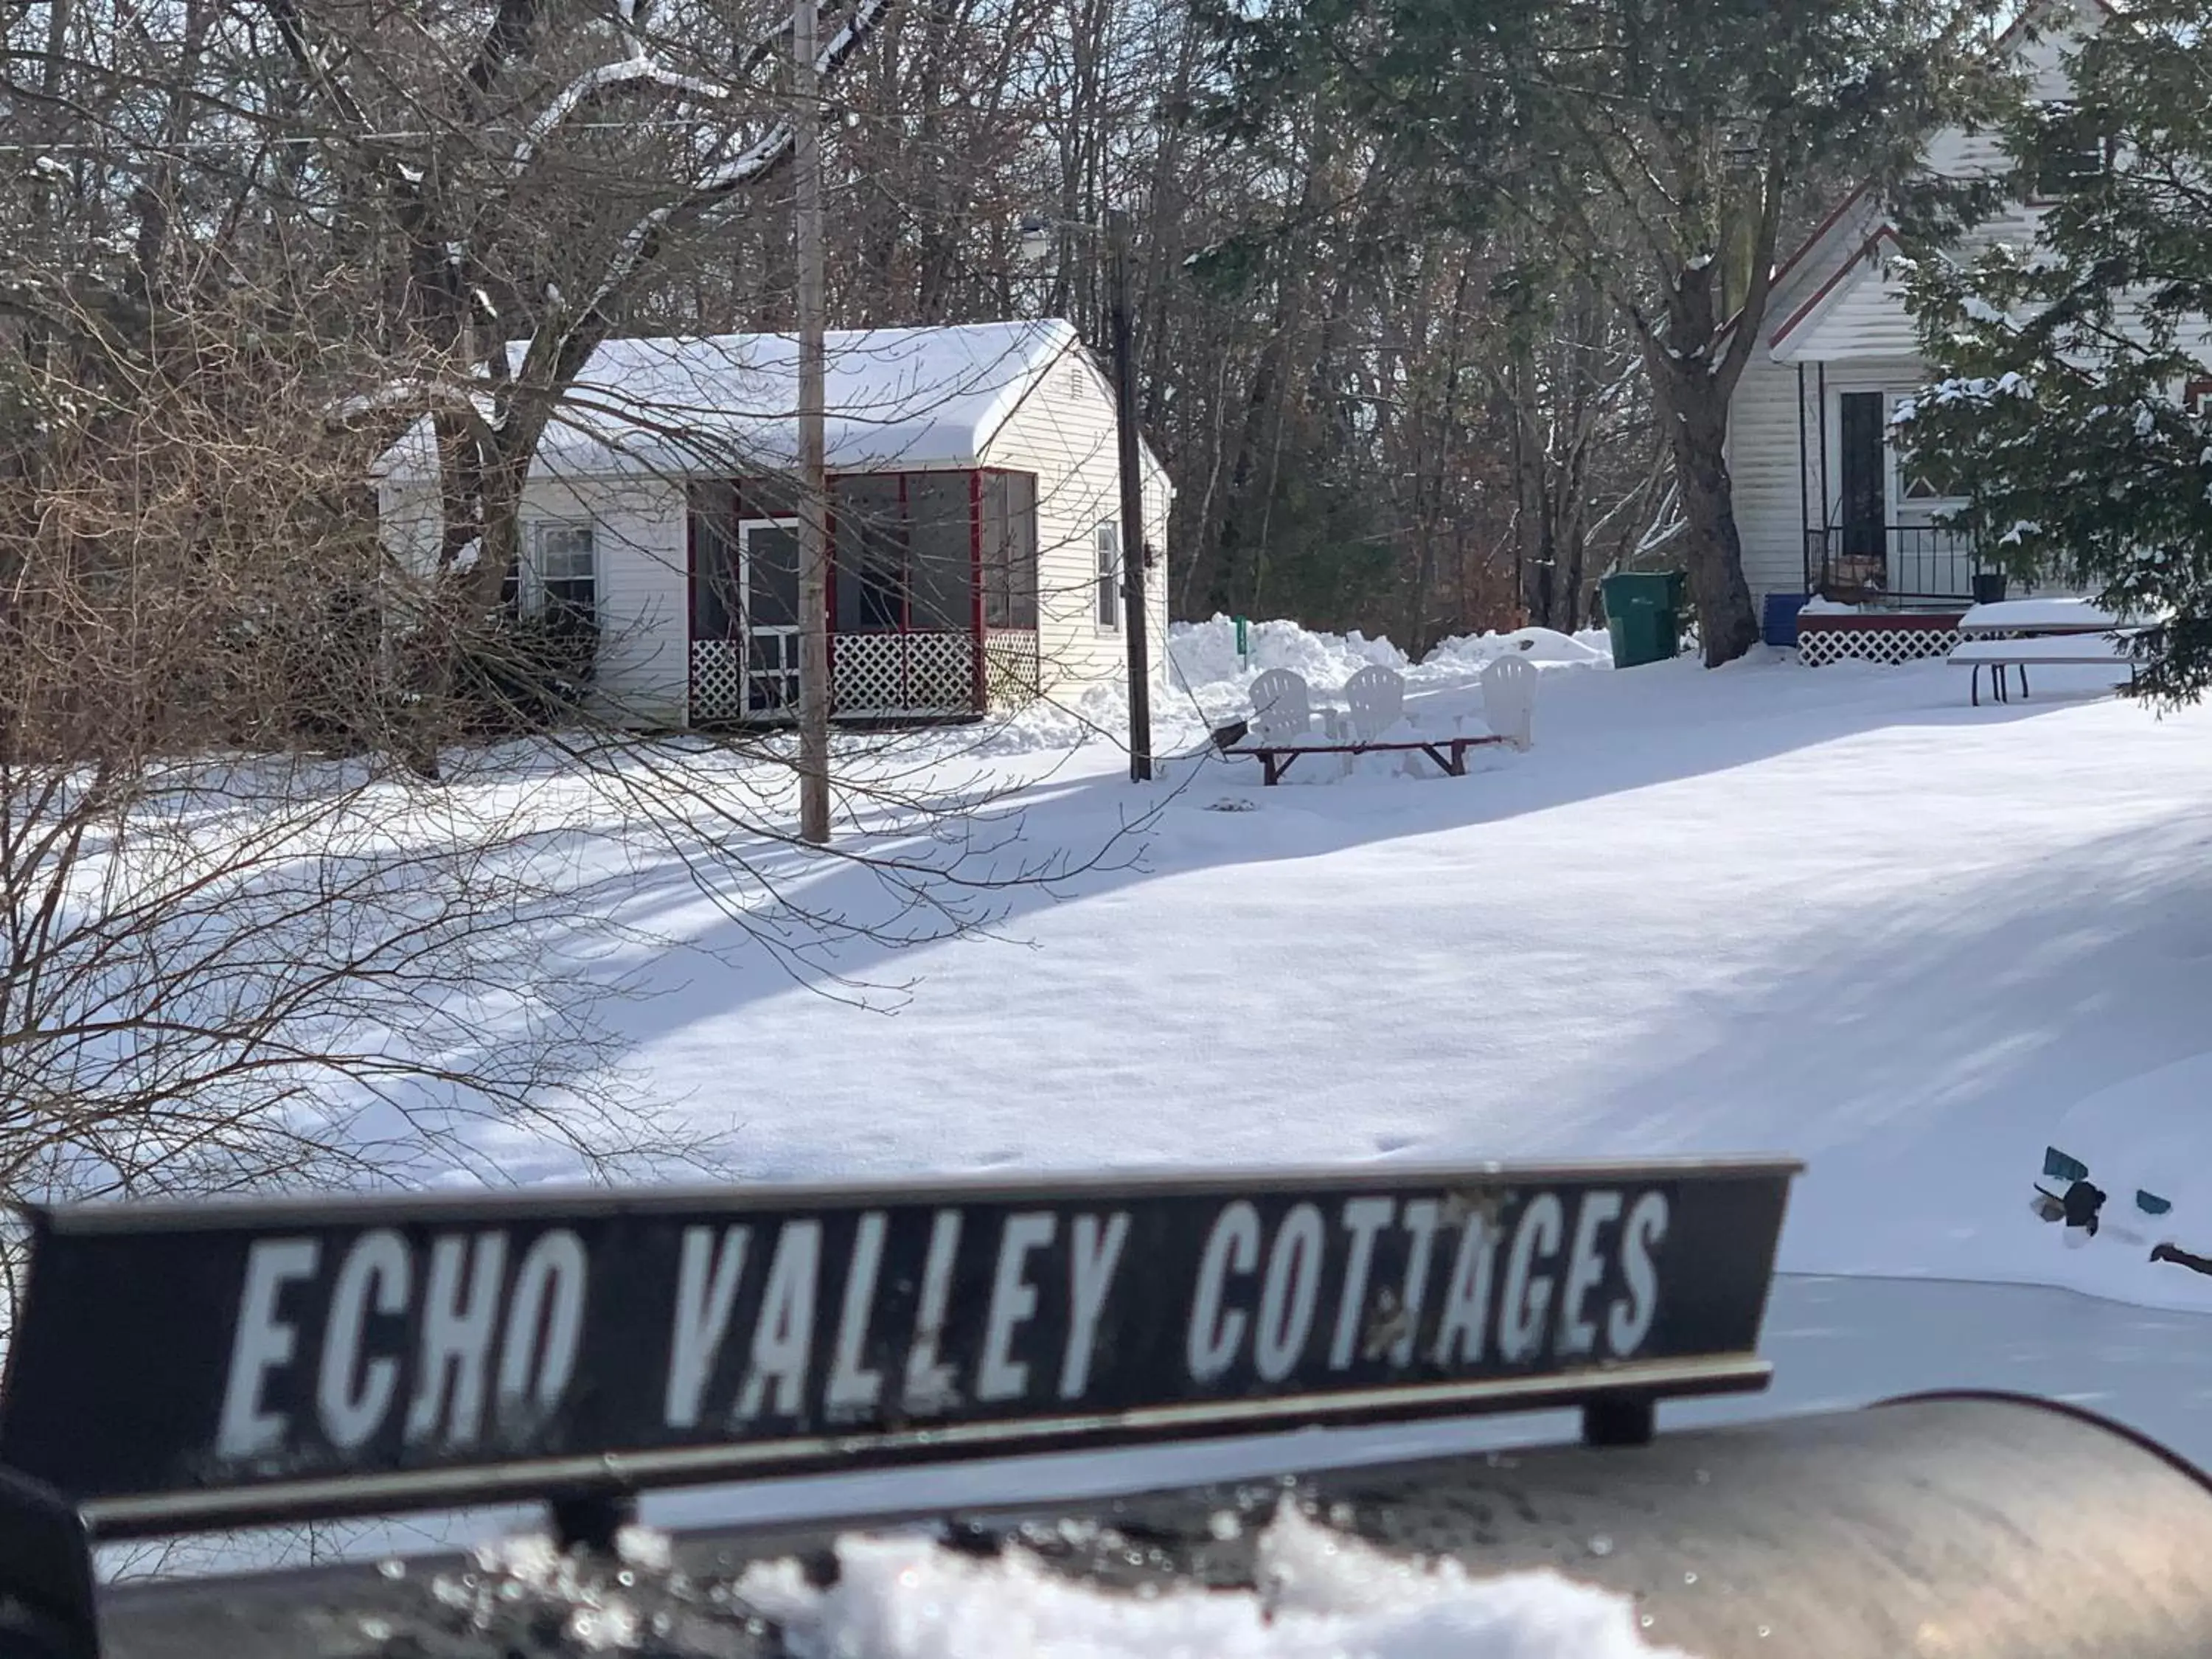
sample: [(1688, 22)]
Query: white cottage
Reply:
[(975, 519), (1822, 504)]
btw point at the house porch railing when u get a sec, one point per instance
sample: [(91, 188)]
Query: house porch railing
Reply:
[(1900, 565)]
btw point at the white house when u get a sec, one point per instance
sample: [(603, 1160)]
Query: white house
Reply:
[(1821, 503), (975, 519)]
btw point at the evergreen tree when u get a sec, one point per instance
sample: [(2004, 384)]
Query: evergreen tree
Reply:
[(2068, 404), (1656, 145)]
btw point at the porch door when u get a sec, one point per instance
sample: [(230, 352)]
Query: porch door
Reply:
[(768, 578), (1863, 461)]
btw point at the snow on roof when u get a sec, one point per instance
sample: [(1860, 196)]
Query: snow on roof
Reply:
[(894, 397)]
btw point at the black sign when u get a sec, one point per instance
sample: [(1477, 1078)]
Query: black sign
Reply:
[(177, 1368)]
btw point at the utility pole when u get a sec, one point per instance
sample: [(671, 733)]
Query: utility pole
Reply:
[(813, 484), (1135, 618)]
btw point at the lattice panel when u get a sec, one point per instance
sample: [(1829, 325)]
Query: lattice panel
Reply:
[(1010, 668), (1818, 647), (718, 681), (940, 673), (894, 674)]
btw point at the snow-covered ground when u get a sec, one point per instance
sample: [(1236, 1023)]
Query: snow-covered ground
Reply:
[(1835, 913)]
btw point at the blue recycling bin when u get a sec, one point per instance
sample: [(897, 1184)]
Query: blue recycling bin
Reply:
[(1780, 622)]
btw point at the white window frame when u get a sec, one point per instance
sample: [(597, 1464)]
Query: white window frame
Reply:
[(1901, 499), (1106, 577), (535, 576)]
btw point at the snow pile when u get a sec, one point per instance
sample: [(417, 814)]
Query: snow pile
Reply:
[(1205, 654), (1592, 648), (1205, 657), (2147, 1144), (1324, 1596)]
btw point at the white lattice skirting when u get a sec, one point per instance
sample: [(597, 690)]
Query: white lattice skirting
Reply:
[(1816, 648), (872, 677), (718, 681), (889, 676), (1010, 668)]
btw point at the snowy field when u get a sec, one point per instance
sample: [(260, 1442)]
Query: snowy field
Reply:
[(1835, 913)]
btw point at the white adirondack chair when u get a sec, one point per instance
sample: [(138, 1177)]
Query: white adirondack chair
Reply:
[(1376, 697), (1282, 707), (1375, 700), (1508, 700)]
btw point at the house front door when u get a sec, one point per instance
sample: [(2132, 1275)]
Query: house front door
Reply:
[(768, 578), (1863, 507)]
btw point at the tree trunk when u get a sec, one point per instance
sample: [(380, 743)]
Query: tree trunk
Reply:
[(1697, 423)]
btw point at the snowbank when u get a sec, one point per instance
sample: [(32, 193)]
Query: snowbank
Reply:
[(1325, 1596), (2147, 1137), (1592, 648), (1205, 654)]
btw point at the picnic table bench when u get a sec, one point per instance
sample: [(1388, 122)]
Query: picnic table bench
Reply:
[(2021, 634), (2079, 649), (1276, 758)]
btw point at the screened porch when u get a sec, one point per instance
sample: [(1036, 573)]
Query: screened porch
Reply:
[(933, 600)]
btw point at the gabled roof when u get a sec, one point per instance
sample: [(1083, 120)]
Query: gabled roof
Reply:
[(1860, 248), (1857, 282), (893, 396)]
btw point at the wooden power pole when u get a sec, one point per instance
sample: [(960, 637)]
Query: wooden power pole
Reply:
[(813, 484), (1136, 616)]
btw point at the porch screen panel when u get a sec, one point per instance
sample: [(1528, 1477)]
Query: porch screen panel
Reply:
[(713, 508), (871, 553), (941, 550), (1010, 550)]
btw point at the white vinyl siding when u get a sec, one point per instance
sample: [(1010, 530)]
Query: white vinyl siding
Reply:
[(641, 586), (1063, 432)]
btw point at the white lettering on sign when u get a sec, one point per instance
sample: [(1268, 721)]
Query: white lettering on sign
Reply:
[(706, 1278), (929, 1386), (855, 1389), (1527, 1296), (1585, 1272), (1363, 1217), (1013, 1303), (1215, 1335), (460, 1315), (1527, 1292), (352, 1396), (261, 1343), (1630, 1321), (1289, 1293), (783, 1335), (467, 1341), (1097, 1253), (1463, 1333), (544, 1327), (1420, 1224)]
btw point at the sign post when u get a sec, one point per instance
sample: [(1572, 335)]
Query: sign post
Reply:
[(184, 1368)]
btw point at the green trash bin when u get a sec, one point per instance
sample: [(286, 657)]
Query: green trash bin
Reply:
[(1644, 615)]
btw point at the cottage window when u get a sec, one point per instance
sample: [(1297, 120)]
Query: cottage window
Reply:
[(1926, 476), (561, 581), (2070, 153), (1108, 540)]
